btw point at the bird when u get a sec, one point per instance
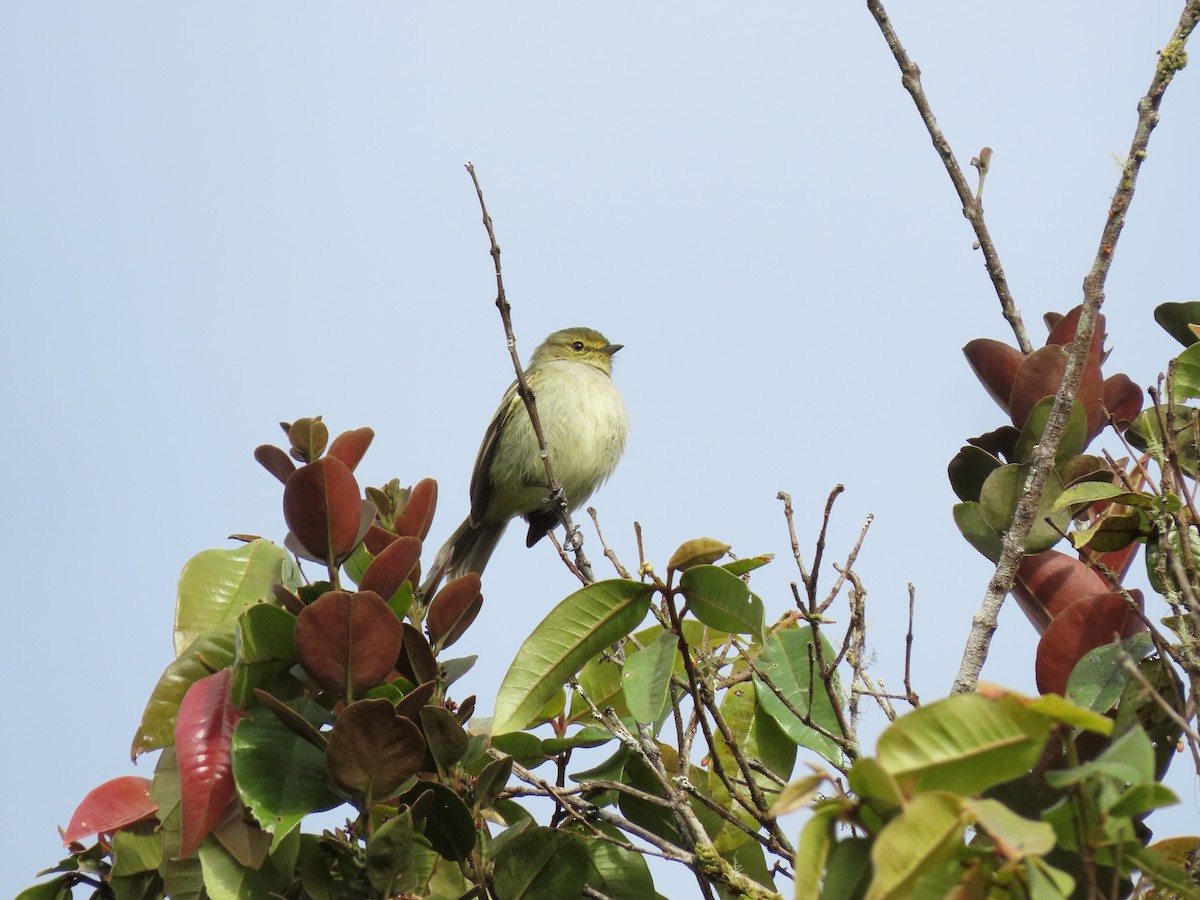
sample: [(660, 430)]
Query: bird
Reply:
[(585, 423)]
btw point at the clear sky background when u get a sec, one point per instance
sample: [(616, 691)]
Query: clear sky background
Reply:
[(216, 218)]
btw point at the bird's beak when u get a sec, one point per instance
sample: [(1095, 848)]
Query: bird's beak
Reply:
[(610, 349)]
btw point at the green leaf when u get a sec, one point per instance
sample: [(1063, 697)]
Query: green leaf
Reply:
[(216, 585), (207, 654), (280, 776), (600, 679), (812, 850), (924, 835), (998, 502), (1088, 492), (1175, 317), (746, 564), (1187, 373), (616, 872), (588, 621), (1098, 679), (1141, 798), (969, 470), (265, 649), (1018, 836), (390, 856), (696, 552), (963, 743), (787, 660), (759, 738), (541, 864), (848, 871), (227, 879), (721, 600), (647, 678), (1127, 760), (968, 518), (1074, 436)]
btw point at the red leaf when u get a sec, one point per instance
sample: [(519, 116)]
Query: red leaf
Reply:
[(348, 642), (1039, 377), (111, 806), (1048, 582), (995, 365), (203, 744), (391, 567), (1062, 332), (417, 515), (275, 461), (350, 446), (1123, 399), (322, 508), (454, 609), (1087, 624), (378, 538)]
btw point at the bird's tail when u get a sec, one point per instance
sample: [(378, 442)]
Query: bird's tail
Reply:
[(467, 550)]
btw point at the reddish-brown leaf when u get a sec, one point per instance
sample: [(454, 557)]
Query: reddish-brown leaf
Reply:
[(1062, 332), (203, 744), (410, 705), (995, 364), (351, 446), (111, 806), (454, 609), (417, 662), (1086, 624), (322, 508), (1039, 377), (417, 515), (389, 569), (377, 538), (348, 642), (275, 461), (1123, 399), (1050, 581), (372, 751)]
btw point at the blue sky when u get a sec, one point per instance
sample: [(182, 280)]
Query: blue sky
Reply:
[(217, 219)]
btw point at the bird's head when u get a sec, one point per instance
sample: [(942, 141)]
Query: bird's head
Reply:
[(585, 345)]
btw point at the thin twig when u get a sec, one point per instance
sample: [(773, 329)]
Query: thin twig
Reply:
[(553, 485), (972, 205)]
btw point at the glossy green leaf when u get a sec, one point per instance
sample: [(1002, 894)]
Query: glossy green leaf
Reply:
[(216, 585), (848, 871), (203, 656), (541, 864), (281, 776), (721, 600), (964, 743), (646, 677), (227, 879), (616, 872), (787, 661), (746, 564), (265, 649), (588, 621), (924, 835)]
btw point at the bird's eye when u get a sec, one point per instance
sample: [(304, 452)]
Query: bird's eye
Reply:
[(577, 346)]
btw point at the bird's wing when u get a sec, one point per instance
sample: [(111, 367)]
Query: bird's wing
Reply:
[(481, 477)]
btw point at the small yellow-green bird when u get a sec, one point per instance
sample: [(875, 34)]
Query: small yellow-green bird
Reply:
[(585, 423)]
